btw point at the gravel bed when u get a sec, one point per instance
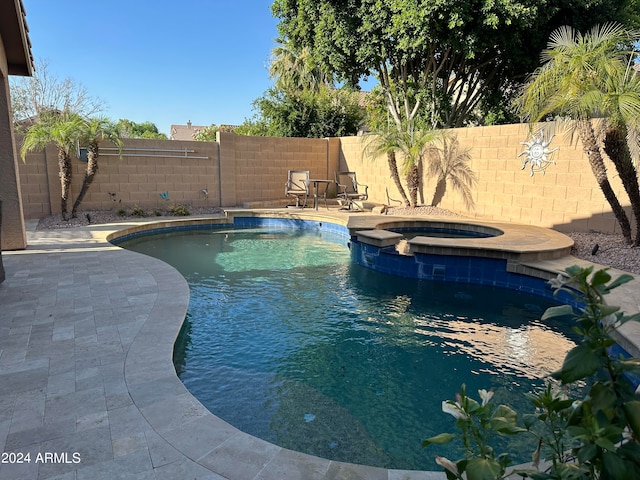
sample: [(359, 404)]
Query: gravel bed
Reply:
[(611, 250)]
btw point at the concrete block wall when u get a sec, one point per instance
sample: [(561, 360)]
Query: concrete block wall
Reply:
[(136, 179), (240, 170), (261, 164), (566, 197), (237, 170), (370, 171)]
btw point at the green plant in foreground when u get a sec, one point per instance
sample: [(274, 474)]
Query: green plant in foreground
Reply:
[(593, 437)]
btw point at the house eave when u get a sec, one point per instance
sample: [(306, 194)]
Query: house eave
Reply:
[(15, 37)]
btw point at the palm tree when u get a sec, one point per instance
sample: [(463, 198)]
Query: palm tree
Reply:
[(94, 131), (385, 142), (622, 102), (294, 70), (450, 164), (63, 130), (412, 144), (575, 81)]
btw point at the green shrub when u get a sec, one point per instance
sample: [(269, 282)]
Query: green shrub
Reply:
[(179, 210), (138, 212)]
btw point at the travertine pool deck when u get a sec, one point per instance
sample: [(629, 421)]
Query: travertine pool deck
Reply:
[(87, 384)]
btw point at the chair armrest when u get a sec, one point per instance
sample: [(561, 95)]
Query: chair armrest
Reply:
[(341, 187), (366, 190)]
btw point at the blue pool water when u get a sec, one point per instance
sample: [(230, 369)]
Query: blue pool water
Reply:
[(289, 341)]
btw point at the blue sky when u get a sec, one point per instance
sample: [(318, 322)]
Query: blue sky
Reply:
[(159, 61)]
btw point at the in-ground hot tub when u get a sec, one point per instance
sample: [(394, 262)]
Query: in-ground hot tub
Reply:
[(460, 251), (437, 229)]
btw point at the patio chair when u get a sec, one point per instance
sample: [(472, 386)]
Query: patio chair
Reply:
[(350, 191), (297, 186)]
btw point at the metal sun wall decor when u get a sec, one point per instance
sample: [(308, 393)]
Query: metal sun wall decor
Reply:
[(537, 152)]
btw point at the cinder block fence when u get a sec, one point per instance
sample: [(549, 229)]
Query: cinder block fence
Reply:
[(251, 171)]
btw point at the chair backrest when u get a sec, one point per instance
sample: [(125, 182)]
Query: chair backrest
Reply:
[(348, 179), (298, 181)]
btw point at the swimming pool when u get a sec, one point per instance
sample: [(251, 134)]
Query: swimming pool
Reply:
[(372, 307)]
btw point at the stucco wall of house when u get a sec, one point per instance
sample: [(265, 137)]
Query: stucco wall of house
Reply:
[(13, 235)]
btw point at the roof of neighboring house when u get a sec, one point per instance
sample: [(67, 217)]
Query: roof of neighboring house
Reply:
[(185, 132), (14, 33)]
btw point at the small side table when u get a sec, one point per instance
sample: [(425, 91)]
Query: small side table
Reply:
[(316, 184)]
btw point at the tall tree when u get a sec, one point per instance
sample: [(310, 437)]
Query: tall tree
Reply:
[(294, 70), (130, 129), (582, 78), (45, 92), (93, 132), (444, 57), (307, 113), (63, 130)]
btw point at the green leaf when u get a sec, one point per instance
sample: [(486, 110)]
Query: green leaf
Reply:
[(615, 467), (600, 278), (621, 280), (606, 310), (507, 412), (580, 362), (483, 469), (587, 453), (605, 443), (632, 412), (559, 311), (439, 439), (505, 420), (633, 318), (577, 432), (504, 426), (575, 270), (602, 397)]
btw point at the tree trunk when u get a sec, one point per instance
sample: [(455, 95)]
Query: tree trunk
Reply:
[(393, 169), (591, 149), (438, 194), (64, 171), (92, 169), (413, 183), (616, 146), (421, 180)]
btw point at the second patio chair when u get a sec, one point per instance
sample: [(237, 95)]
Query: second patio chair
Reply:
[(350, 192)]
